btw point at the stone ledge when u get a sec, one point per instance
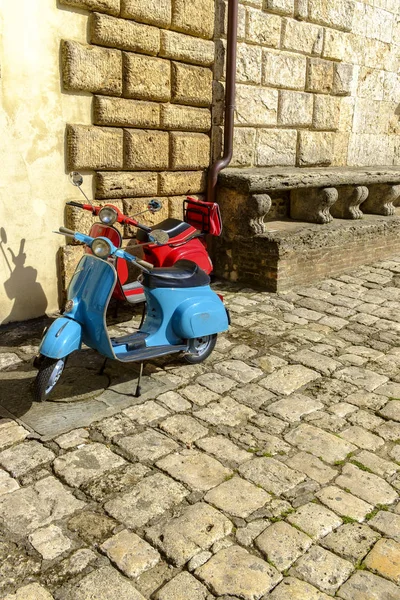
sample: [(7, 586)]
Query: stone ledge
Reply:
[(286, 178)]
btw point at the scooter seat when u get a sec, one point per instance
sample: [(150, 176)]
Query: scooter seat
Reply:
[(184, 274), (174, 228)]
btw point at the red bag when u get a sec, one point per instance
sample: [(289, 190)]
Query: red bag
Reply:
[(205, 216)]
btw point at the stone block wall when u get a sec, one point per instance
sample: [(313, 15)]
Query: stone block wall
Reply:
[(317, 83), (149, 68)]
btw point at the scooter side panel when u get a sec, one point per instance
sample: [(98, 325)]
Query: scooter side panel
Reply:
[(63, 337), (202, 315)]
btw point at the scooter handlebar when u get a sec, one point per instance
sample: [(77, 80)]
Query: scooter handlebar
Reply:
[(145, 264), (66, 231)]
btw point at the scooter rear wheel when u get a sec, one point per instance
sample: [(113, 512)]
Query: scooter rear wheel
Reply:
[(200, 348), (50, 370)]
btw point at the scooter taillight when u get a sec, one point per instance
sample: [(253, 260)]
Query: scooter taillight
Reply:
[(220, 296)]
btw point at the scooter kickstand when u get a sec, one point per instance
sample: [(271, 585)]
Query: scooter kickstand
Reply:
[(138, 392), (103, 366)]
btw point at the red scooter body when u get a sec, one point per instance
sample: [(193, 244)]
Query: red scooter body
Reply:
[(185, 242)]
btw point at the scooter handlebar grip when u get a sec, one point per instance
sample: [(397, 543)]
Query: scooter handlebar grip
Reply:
[(78, 204), (66, 231), (145, 264)]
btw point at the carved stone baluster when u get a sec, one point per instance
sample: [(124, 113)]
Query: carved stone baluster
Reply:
[(349, 200), (312, 205), (381, 198), (259, 206)]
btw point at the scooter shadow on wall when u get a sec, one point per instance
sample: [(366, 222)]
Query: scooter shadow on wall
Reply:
[(22, 285)]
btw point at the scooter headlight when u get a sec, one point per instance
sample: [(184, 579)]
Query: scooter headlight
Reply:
[(108, 215), (101, 248)]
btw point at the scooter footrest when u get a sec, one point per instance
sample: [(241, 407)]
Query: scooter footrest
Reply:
[(130, 339)]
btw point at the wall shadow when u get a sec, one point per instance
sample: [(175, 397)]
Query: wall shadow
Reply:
[(21, 285)]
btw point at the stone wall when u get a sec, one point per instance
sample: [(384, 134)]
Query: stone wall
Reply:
[(317, 83), (149, 68)]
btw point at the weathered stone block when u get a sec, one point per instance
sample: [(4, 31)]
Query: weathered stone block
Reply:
[(326, 112), (189, 150), (196, 18), (91, 69), (159, 14), (146, 78), (123, 185), (187, 48), (175, 116), (282, 69), (315, 148), (282, 7), (369, 150), (69, 258), (125, 113), (302, 37), (221, 19), (263, 28), (106, 6), (319, 75), (348, 202), (256, 105), (276, 147), (248, 63), (234, 572), (146, 149), (342, 79), (133, 206), (186, 182), (369, 117), (312, 205), (335, 13), (295, 108), (391, 88), (381, 199), (334, 44), (94, 147), (191, 85), (120, 33), (243, 147), (371, 83)]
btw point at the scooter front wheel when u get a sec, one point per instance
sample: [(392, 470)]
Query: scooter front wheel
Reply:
[(50, 370), (200, 348)]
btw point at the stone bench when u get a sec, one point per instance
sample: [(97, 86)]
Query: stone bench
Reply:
[(315, 195), (289, 226)]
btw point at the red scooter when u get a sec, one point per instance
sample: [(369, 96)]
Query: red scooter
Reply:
[(186, 238)]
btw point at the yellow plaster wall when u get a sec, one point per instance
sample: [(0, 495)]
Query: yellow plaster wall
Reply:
[(33, 182)]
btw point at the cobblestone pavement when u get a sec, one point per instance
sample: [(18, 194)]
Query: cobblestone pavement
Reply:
[(270, 471)]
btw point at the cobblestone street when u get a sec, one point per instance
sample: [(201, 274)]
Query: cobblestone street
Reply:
[(272, 470)]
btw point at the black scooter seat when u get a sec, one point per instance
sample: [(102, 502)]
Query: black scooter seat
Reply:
[(173, 227), (184, 274)]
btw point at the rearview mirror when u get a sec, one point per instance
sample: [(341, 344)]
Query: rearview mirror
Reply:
[(154, 205), (76, 178), (159, 236)]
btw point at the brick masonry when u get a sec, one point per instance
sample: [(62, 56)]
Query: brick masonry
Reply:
[(303, 253)]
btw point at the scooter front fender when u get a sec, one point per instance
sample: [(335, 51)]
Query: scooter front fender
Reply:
[(63, 337)]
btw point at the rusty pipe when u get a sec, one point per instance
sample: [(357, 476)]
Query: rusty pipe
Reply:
[(230, 87)]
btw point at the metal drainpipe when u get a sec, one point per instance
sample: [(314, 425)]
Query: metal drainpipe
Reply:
[(229, 101)]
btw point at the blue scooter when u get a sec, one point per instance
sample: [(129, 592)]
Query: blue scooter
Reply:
[(183, 313)]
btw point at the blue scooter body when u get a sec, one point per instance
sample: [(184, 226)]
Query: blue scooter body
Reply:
[(174, 315)]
